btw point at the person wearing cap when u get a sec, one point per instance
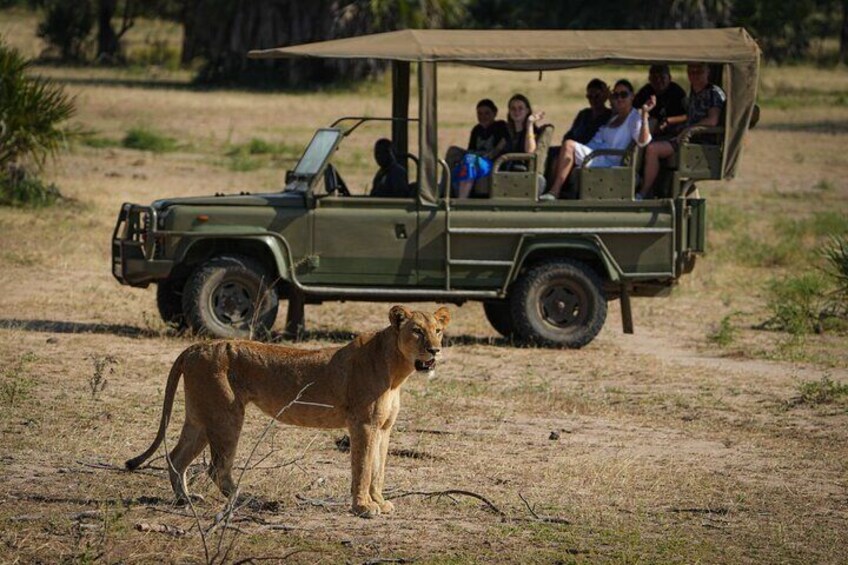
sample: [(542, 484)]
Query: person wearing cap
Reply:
[(670, 112)]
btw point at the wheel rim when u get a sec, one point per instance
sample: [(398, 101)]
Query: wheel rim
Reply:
[(232, 303), (564, 304)]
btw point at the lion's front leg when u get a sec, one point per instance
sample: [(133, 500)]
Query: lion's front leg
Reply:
[(364, 445), (379, 471)]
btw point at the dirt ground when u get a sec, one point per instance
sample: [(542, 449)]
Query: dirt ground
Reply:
[(658, 447)]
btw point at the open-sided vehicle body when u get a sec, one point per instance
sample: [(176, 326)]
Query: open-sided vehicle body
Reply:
[(544, 270)]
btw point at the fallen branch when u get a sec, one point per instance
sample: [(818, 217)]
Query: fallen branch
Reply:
[(174, 531), (273, 558), (544, 519), (440, 493), (323, 503)]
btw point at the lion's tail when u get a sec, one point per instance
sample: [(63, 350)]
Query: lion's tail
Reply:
[(170, 393)]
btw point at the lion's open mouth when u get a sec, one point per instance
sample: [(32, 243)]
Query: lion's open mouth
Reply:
[(425, 366)]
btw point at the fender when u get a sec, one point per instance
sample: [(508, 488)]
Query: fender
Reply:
[(274, 248), (589, 247)]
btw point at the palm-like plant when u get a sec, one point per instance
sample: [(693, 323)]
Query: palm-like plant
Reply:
[(32, 110)]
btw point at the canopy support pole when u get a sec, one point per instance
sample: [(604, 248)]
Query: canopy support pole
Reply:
[(428, 182), (400, 109)]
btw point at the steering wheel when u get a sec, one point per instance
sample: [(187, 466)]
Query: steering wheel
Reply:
[(333, 181)]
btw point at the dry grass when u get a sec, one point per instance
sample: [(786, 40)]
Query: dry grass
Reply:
[(671, 449)]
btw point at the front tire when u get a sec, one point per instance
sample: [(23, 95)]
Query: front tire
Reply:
[(230, 297), (500, 317), (169, 302), (559, 303)]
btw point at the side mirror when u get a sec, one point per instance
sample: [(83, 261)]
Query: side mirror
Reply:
[(289, 177)]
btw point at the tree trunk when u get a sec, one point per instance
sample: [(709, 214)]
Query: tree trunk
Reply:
[(222, 32), (843, 35), (108, 47)]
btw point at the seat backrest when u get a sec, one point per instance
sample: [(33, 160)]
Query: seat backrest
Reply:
[(543, 143)]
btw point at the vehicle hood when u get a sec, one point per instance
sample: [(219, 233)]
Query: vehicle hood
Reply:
[(242, 199)]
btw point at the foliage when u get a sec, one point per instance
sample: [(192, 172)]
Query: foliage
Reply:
[(145, 139), (824, 391), (17, 188), (31, 112), (726, 332), (15, 384), (67, 25), (836, 255), (797, 302)]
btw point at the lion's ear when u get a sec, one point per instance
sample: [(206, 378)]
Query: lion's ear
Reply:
[(398, 315), (443, 316)]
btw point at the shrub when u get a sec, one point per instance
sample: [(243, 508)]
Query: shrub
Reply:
[(67, 25), (822, 392), (145, 139), (17, 188), (31, 112), (725, 334), (796, 303)]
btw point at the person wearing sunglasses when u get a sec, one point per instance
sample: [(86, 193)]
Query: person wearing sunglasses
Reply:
[(627, 124)]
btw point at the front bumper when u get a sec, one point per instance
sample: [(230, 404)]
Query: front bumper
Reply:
[(134, 247)]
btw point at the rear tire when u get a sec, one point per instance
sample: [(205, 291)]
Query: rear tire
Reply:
[(169, 301), (230, 297), (500, 316), (559, 303)]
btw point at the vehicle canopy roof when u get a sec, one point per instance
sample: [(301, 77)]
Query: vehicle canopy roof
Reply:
[(545, 50)]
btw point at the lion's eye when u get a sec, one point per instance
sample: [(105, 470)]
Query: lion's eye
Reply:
[(439, 332), (418, 332)]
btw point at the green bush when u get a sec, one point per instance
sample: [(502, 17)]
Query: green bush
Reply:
[(20, 189), (145, 139), (67, 25), (31, 111), (797, 303), (824, 391), (725, 334), (836, 254), (156, 52)]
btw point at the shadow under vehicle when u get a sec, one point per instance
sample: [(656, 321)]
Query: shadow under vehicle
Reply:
[(544, 270)]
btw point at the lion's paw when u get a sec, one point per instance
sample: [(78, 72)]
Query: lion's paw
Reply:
[(369, 510)]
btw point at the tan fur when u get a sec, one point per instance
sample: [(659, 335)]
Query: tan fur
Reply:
[(360, 383)]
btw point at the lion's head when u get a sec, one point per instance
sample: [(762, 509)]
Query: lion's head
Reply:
[(419, 334)]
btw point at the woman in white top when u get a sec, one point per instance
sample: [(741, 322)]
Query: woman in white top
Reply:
[(627, 124)]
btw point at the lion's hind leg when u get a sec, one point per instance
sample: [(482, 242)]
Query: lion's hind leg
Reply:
[(223, 442), (191, 443)]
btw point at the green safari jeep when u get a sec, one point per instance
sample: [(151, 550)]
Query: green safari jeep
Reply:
[(544, 270)]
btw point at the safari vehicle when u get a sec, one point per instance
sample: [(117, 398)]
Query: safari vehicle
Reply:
[(544, 271)]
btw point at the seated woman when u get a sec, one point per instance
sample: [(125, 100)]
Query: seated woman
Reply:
[(487, 141), (627, 124), (705, 104), (522, 127)]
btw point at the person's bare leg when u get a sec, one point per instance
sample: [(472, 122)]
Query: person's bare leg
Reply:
[(564, 164), (464, 188), (653, 153)]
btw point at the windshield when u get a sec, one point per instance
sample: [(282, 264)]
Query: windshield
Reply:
[(317, 152)]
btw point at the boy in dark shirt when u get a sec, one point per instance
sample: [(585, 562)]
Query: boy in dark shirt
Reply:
[(669, 114), (391, 180)]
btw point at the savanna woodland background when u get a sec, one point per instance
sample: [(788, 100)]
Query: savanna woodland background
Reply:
[(718, 433)]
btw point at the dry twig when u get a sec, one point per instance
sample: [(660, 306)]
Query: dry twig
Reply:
[(440, 493)]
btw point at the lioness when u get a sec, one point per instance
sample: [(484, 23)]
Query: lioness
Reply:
[(356, 386)]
